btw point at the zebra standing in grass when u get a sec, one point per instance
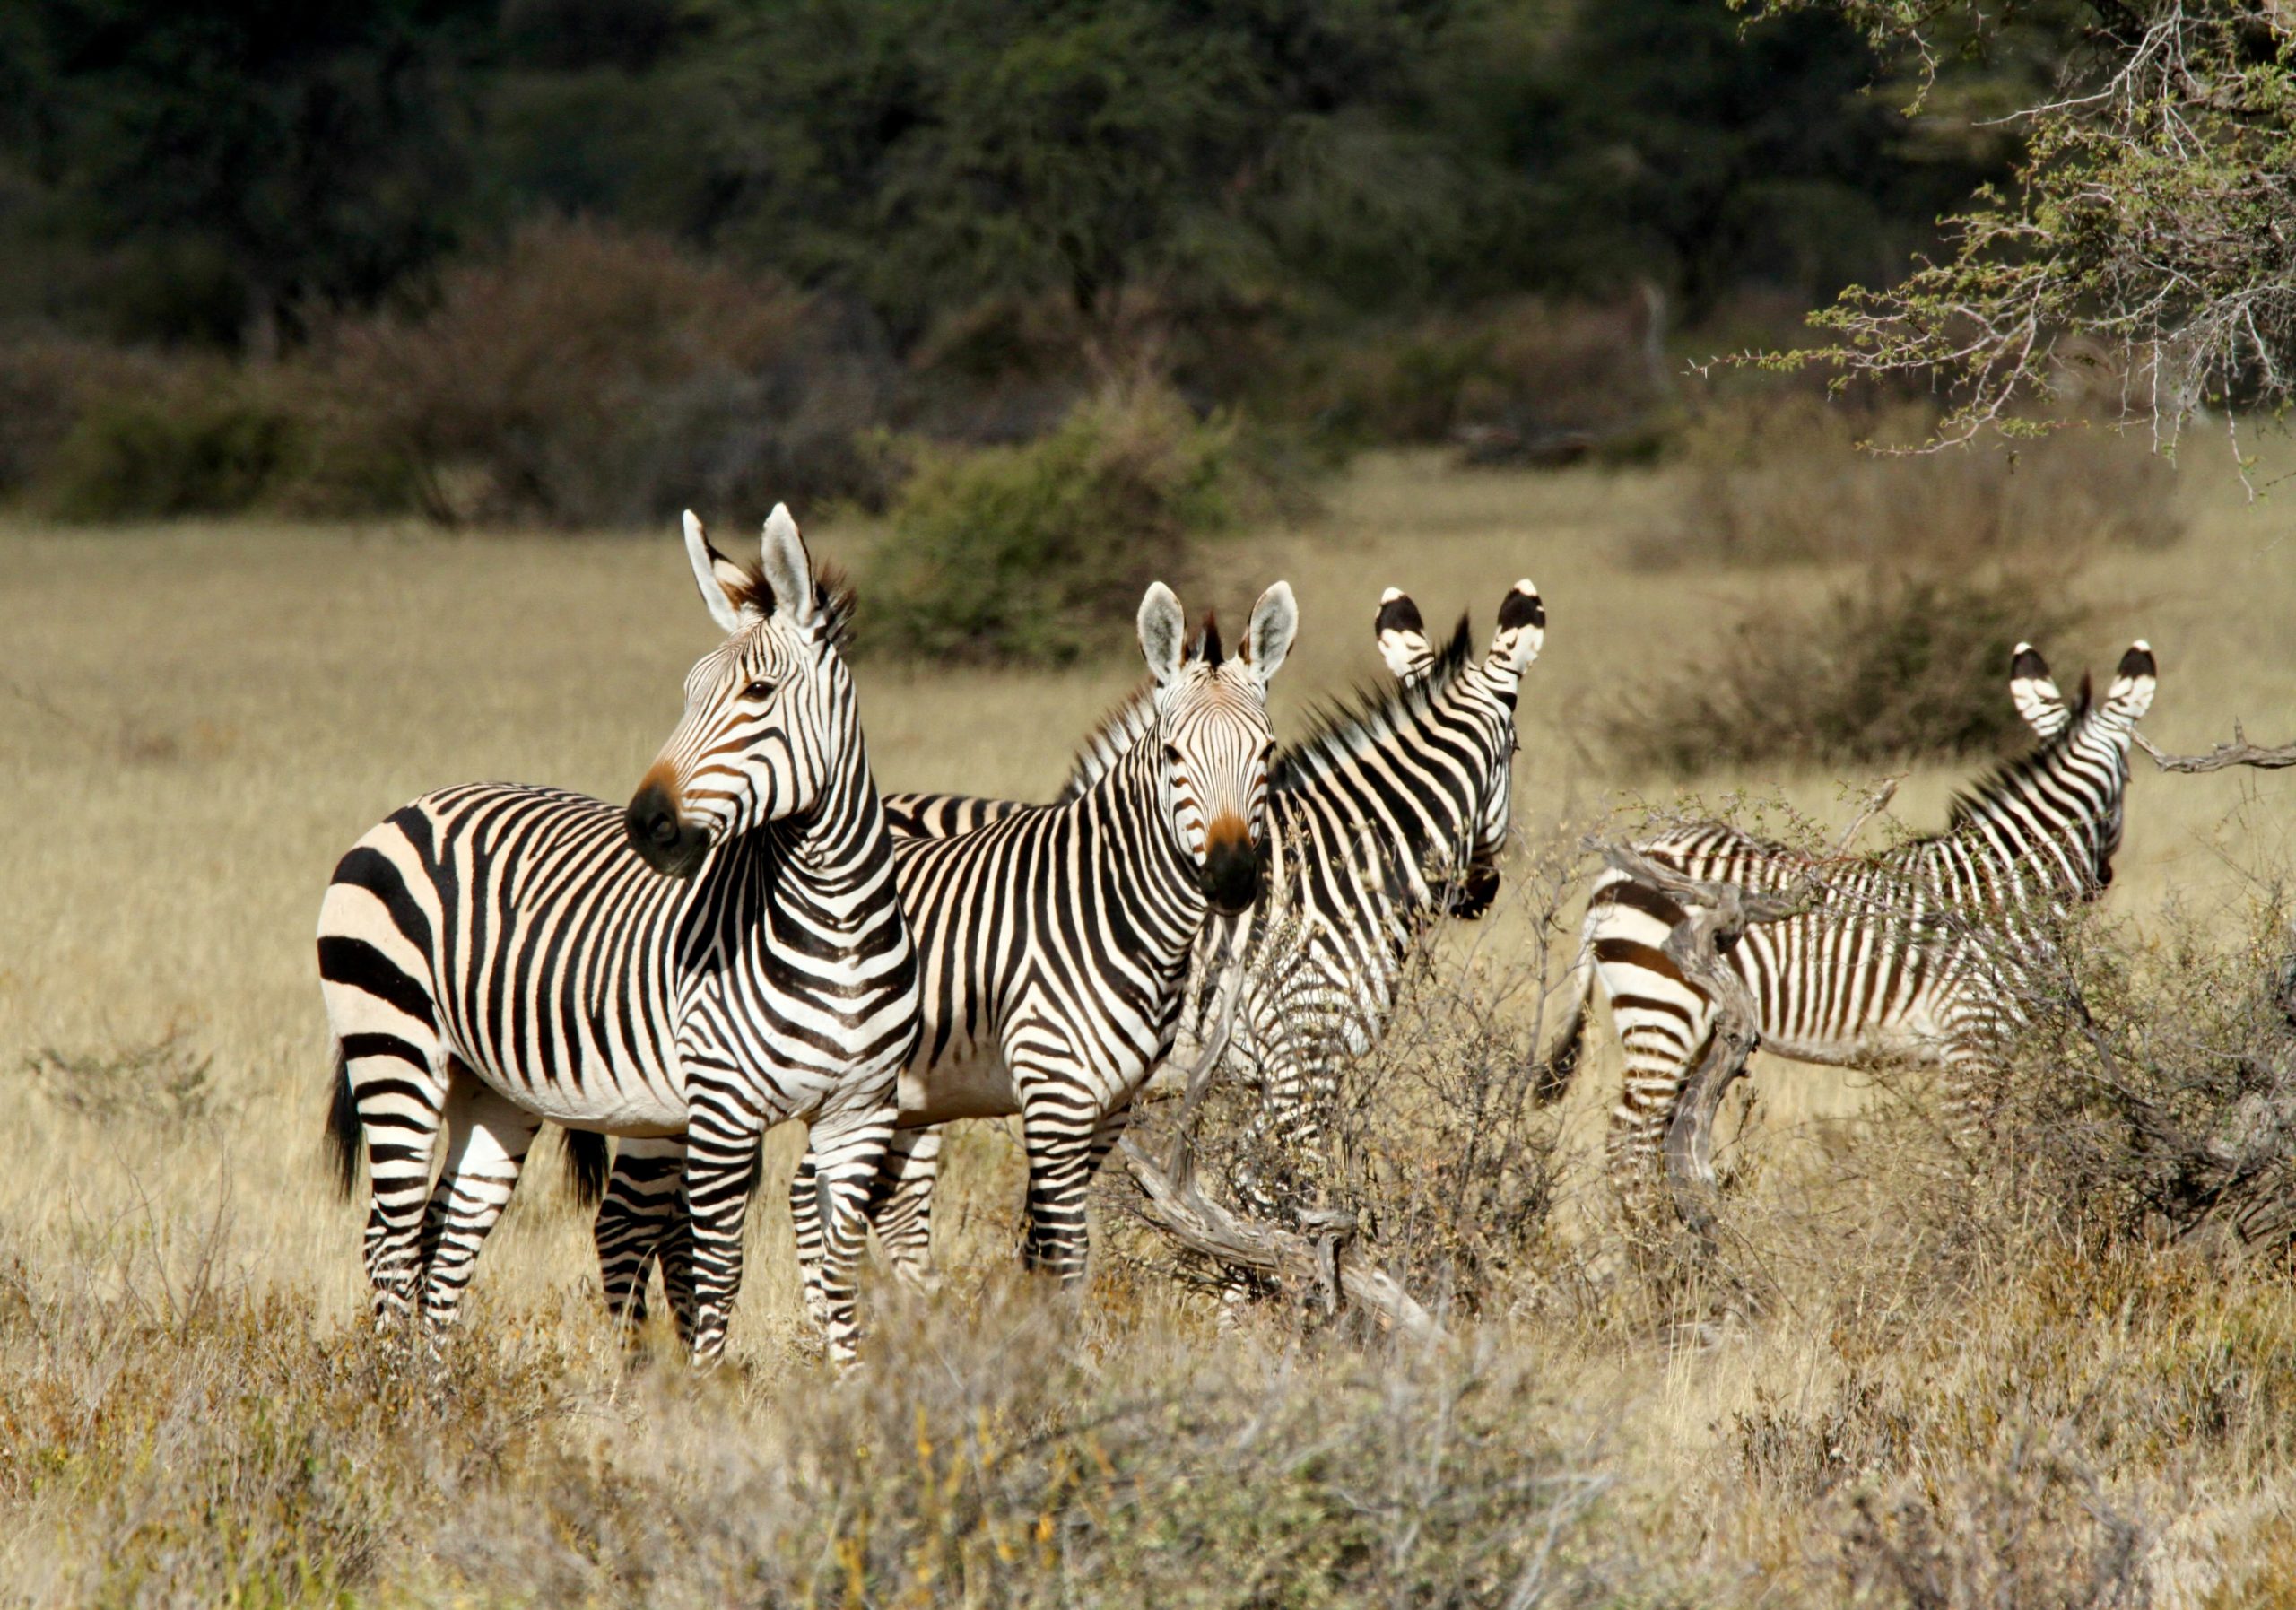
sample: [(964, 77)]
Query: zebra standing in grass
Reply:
[(1395, 809), (1917, 956), (496, 955), (1052, 946)]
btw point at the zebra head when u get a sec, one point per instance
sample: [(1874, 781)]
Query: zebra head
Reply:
[(2034, 693), (768, 713), (2110, 727), (1482, 702), (1213, 738), (1514, 643)]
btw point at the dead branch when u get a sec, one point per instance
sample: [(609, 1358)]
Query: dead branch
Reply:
[(2239, 752), (1718, 915), (1294, 1261)]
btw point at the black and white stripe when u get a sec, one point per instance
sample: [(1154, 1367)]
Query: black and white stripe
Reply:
[(1918, 956), (496, 955), (1395, 808), (1054, 941)]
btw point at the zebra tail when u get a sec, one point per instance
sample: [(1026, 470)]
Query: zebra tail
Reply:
[(586, 1166), (345, 1133), (1551, 1082)]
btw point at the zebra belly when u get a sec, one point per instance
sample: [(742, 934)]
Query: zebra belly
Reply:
[(1914, 1041), (974, 1083), (611, 1101)]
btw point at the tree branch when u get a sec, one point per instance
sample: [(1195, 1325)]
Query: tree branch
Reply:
[(2238, 753)]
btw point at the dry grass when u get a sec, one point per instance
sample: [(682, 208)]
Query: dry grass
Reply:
[(197, 720)]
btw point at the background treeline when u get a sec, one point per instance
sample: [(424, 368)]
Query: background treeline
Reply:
[(947, 214)]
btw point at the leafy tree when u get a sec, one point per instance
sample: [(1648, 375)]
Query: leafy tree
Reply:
[(2147, 233), (274, 153)]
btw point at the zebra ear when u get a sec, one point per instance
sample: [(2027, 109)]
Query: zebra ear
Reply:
[(1276, 621), (2035, 694), (2134, 682), (723, 586), (788, 568), (1403, 636), (1522, 626), (1163, 631)]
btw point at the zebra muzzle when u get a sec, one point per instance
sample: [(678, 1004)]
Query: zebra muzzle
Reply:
[(661, 839), (1231, 871)]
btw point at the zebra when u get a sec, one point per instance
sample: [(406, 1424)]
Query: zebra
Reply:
[(1052, 946), (728, 952), (1916, 957), (1395, 809)]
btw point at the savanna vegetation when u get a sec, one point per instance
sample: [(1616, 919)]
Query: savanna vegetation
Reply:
[(353, 358), (1909, 1375)]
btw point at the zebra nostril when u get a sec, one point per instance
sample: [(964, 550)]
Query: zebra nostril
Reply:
[(663, 830)]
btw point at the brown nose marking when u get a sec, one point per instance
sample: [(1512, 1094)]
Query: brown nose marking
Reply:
[(663, 778), (1227, 828)]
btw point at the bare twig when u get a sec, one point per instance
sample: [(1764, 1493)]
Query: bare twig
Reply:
[(1177, 1208), (2238, 753)]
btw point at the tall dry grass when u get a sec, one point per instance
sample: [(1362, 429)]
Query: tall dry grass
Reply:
[(1940, 1401)]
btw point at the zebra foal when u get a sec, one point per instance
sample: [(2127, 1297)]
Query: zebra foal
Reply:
[(728, 952), (1918, 956)]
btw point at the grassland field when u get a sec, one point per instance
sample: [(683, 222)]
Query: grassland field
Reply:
[(197, 720)]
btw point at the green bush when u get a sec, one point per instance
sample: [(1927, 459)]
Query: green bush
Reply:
[(174, 453), (1038, 553), (1898, 667)]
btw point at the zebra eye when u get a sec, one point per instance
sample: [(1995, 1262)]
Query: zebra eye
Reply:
[(1172, 755), (758, 690)]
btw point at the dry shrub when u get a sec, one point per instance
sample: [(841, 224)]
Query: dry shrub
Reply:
[(1040, 553), (48, 384), (1429, 1151), (2028, 1354), (1898, 667), (1782, 480), (592, 376), (221, 1444), (1525, 372)]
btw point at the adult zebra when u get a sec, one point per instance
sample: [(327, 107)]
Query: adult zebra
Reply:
[(1918, 956), (495, 955), (1393, 810), (1052, 945)]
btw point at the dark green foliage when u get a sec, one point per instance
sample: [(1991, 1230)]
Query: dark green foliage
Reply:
[(1894, 668), (173, 454), (260, 156), (1040, 554)]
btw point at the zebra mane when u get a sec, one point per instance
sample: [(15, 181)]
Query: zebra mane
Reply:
[(1345, 727), (2012, 777), (1348, 727), (833, 596), (1131, 719)]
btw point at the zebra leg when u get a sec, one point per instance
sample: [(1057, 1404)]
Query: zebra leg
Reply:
[(900, 1208), (806, 1223), (721, 1163), (1063, 1148), (1659, 1049), (848, 1154), (903, 1209), (635, 1215), (399, 1091), (487, 1139)]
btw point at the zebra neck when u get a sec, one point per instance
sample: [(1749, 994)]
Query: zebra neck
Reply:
[(812, 884), (1137, 863)]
